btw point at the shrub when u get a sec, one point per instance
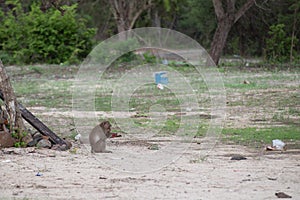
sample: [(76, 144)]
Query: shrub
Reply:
[(278, 45), (50, 37)]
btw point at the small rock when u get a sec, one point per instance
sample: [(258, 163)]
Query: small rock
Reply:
[(59, 147), (36, 138), (238, 157), (282, 195), (55, 147), (63, 147), (36, 134), (44, 143), (247, 179), (272, 179), (6, 140)]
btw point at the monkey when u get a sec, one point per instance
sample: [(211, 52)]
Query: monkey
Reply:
[(98, 137)]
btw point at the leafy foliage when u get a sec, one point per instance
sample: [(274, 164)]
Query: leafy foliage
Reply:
[(198, 20), (28, 35), (19, 136), (278, 45), (50, 37)]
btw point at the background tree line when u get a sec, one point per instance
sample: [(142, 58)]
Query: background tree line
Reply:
[(64, 31)]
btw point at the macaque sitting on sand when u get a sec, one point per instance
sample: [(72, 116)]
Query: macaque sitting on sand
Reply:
[(98, 137)]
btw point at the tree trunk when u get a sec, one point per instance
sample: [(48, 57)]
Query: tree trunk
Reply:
[(15, 119), (219, 40), (293, 34), (122, 25), (156, 20), (226, 19)]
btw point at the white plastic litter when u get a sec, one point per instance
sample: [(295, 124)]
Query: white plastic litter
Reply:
[(160, 86), (77, 137), (165, 62), (278, 144)]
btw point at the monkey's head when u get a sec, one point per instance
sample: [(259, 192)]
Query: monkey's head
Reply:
[(106, 126)]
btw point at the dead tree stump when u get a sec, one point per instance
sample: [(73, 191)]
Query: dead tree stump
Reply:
[(14, 115), (15, 119), (19, 111)]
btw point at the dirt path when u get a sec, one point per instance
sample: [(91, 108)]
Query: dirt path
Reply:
[(66, 175)]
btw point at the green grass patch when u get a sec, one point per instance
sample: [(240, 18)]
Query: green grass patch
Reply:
[(103, 102), (245, 81), (148, 95), (254, 136), (50, 93), (171, 125), (37, 69)]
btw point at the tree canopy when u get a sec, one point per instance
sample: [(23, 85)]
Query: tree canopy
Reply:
[(247, 28)]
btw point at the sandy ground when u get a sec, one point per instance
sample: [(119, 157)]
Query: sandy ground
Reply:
[(77, 174)]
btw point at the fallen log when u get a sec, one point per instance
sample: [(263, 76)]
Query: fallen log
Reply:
[(37, 124)]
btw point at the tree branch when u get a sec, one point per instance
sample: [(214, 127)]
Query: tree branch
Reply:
[(114, 8), (243, 9), (219, 11), (139, 12), (230, 6)]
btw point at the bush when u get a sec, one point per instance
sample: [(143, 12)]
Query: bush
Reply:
[(37, 37), (278, 45)]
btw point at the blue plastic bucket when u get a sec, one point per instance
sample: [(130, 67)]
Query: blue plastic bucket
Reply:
[(161, 78)]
